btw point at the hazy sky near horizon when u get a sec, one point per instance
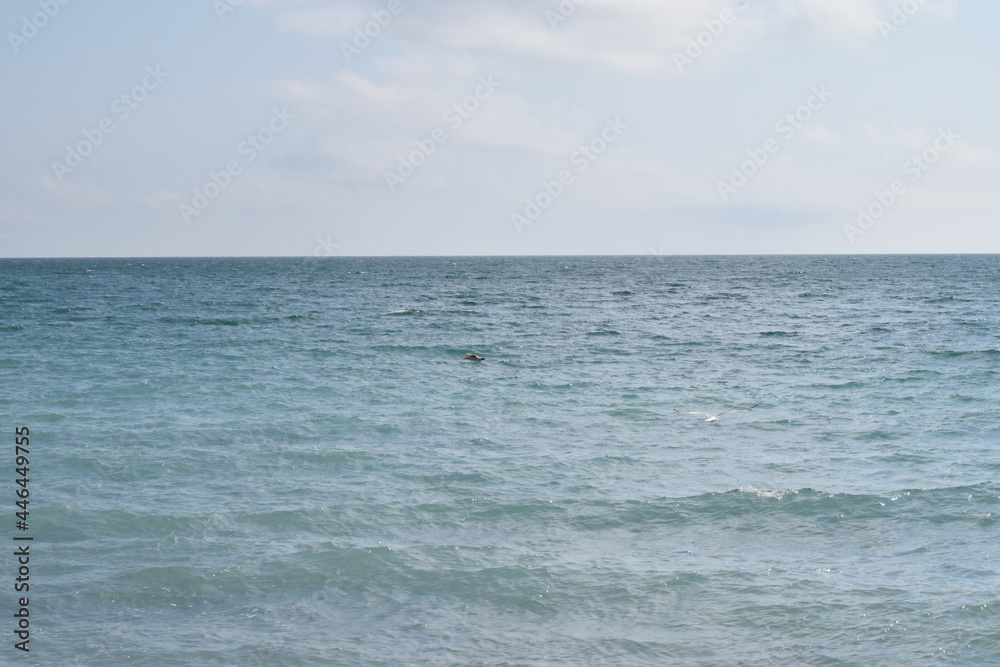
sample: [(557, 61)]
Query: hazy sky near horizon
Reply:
[(398, 127)]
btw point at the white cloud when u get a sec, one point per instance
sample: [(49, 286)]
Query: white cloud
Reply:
[(338, 22), (76, 194), (638, 36), (843, 19), (819, 134), (385, 118), (630, 35)]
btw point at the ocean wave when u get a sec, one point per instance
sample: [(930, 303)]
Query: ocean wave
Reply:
[(761, 493), (229, 321), (410, 311), (957, 354), (794, 509)]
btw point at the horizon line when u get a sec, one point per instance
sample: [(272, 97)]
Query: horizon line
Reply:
[(320, 257)]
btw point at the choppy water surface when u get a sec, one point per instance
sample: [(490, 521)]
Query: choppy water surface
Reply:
[(287, 462)]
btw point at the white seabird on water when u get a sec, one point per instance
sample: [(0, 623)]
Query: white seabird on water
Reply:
[(713, 418), (473, 357)]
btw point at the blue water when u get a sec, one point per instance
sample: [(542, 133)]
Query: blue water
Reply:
[(287, 461)]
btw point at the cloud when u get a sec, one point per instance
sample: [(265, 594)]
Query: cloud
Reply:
[(338, 22), (635, 36), (364, 125), (75, 194), (630, 35), (819, 134), (840, 20)]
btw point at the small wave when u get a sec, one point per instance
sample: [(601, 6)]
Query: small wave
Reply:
[(725, 296), (413, 311), (761, 493), (949, 299), (228, 321), (221, 322), (956, 354), (850, 384)]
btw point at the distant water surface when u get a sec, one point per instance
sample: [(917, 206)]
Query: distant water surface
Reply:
[(287, 461)]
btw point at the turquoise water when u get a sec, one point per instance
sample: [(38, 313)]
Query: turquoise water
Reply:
[(287, 461)]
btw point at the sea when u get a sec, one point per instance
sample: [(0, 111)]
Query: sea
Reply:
[(288, 461)]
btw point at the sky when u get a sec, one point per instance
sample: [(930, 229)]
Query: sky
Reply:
[(489, 127)]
